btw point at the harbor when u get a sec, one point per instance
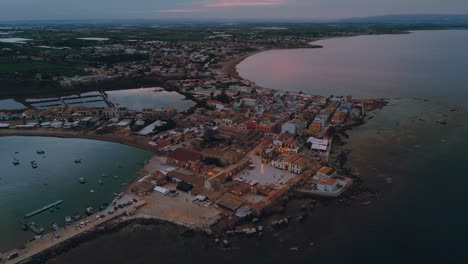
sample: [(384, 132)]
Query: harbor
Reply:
[(33, 193), (61, 235)]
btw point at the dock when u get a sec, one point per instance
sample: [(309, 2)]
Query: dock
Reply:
[(36, 229), (47, 207)]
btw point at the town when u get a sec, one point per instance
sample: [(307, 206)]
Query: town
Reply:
[(237, 152)]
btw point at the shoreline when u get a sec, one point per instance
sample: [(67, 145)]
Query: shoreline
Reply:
[(229, 66), (132, 141)]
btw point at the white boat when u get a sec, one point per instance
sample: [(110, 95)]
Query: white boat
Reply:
[(82, 180)]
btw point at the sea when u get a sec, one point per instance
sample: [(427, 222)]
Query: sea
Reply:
[(106, 168), (411, 154)]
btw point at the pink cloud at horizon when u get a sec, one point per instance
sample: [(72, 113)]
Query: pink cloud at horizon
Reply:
[(243, 3), (192, 10)]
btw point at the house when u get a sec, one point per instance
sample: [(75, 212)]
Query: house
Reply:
[(299, 166), (278, 162), (295, 126), (248, 101), (184, 186), (327, 185), (339, 117), (216, 104), (31, 114), (326, 172), (230, 201), (318, 145), (4, 116), (183, 157)]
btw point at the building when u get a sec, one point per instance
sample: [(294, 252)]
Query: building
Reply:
[(318, 145), (295, 126), (4, 116), (327, 185), (326, 172), (183, 157), (161, 190), (31, 114)]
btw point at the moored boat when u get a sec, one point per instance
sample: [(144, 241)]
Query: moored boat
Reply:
[(89, 211), (55, 226), (77, 216), (68, 220)]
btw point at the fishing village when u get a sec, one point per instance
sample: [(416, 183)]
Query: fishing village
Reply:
[(231, 159), (225, 149)]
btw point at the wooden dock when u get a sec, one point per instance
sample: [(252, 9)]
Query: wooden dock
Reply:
[(35, 228), (43, 209)]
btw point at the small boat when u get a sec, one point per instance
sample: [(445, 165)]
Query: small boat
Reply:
[(34, 164), (103, 175), (115, 194), (82, 180), (91, 191), (78, 161), (51, 209), (103, 206), (89, 211), (24, 227), (116, 177), (77, 216), (100, 182), (55, 226), (15, 162), (68, 220), (40, 151), (57, 206)]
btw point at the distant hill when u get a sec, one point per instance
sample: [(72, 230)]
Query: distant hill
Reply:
[(435, 19)]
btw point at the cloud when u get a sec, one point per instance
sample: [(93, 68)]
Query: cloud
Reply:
[(242, 3), (189, 10)]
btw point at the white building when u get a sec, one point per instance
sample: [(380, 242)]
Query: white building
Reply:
[(327, 185), (161, 190)]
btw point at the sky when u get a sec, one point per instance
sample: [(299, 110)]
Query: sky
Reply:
[(221, 9)]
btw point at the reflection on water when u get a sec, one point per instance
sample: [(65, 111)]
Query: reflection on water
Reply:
[(424, 64)]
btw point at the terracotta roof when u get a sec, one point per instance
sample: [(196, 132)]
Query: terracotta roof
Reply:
[(328, 182), (184, 155), (326, 170)]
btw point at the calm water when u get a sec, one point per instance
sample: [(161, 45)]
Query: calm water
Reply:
[(420, 217), (24, 189), (429, 64)]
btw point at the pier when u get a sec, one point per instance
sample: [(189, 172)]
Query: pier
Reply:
[(43, 209), (35, 228)]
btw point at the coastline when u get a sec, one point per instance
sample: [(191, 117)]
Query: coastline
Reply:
[(133, 141), (229, 66)]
